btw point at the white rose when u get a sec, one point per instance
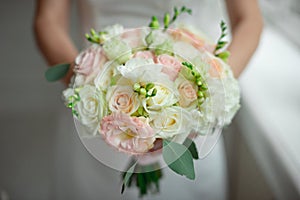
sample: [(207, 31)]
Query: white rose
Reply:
[(117, 50), (158, 37), (122, 99), (164, 97), (130, 69), (201, 122), (89, 107), (66, 94), (170, 122), (114, 30), (103, 79), (79, 80)]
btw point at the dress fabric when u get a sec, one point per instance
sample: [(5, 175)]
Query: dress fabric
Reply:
[(78, 174)]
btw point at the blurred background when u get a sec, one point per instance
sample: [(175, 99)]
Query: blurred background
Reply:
[(262, 145)]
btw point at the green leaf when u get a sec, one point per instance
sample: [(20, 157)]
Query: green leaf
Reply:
[(141, 183), (57, 72), (179, 159), (190, 144), (220, 42), (127, 177)]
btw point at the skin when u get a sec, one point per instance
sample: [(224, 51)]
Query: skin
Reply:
[(51, 27)]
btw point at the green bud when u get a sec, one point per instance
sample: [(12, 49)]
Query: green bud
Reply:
[(199, 82), (93, 32), (166, 20), (75, 113), (77, 97), (136, 87), (149, 86), (176, 11), (204, 87), (77, 90), (143, 91), (200, 94), (140, 110), (154, 24), (154, 92), (70, 105), (200, 101), (224, 55)]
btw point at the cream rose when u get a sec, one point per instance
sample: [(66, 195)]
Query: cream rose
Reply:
[(89, 107), (171, 121), (187, 93), (122, 99), (164, 97)]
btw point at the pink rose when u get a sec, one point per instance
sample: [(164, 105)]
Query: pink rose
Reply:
[(171, 66), (90, 62), (127, 134), (187, 93), (144, 55), (197, 41), (134, 37)]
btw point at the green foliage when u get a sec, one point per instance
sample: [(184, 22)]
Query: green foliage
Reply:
[(145, 177), (199, 81), (221, 44), (94, 37), (127, 177), (167, 21), (224, 55), (190, 144), (179, 159), (146, 91), (154, 24), (176, 14), (57, 72)]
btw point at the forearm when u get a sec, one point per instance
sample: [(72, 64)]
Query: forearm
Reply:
[(245, 39), (246, 27), (51, 27), (55, 44)]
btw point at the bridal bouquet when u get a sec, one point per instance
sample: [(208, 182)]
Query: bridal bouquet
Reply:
[(151, 91)]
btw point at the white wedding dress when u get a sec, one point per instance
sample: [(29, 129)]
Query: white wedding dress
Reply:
[(78, 174)]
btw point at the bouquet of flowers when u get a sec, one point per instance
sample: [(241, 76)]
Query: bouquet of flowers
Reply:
[(150, 92)]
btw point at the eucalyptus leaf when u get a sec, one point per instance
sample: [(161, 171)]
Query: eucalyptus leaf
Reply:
[(57, 72), (190, 144), (179, 159), (127, 177)]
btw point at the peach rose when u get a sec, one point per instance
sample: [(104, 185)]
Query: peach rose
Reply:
[(128, 134), (198, 42), (122, 99), (187, 93), (144, 55), (171, 66)]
